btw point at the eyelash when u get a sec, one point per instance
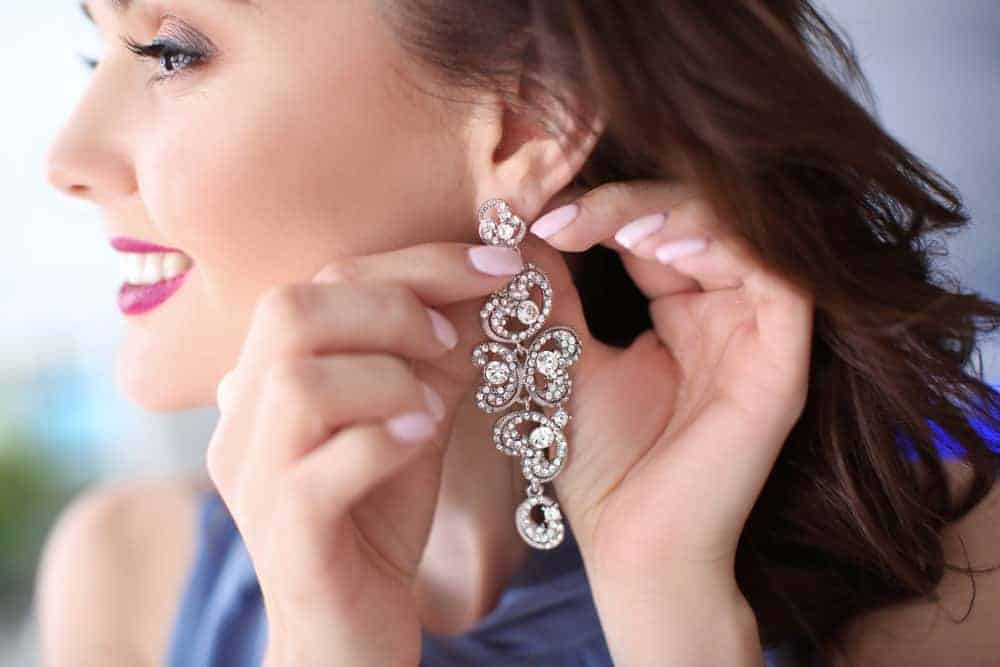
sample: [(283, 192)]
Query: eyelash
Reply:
[(164, 50)]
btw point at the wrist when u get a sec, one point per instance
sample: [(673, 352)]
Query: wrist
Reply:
[(288, 652), (281, 659), (685, 618), (329, 637)]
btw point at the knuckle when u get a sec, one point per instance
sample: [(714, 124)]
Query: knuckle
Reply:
[(342, 269), (395, 305), (397, 373), (294, 384), (291, 380), (700, 214), (604, 201), (281, 306), (398, 367)]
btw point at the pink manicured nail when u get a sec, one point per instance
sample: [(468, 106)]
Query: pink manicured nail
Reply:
[(674, 250), (639, 229), (554, 220), (495, 260), (443, 329), (434, 402), (411, 427)]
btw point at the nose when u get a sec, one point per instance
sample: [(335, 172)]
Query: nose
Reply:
[(89, 157)]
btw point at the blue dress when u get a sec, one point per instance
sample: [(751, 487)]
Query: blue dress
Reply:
[(221, 622)]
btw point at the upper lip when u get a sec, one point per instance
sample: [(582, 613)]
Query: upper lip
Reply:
[(128, 244)]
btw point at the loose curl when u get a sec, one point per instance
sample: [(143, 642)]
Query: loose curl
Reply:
[(752, 101)]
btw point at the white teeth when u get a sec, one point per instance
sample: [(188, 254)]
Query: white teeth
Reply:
[(147, 268), (174, 264), (152, 270), (133, 268)]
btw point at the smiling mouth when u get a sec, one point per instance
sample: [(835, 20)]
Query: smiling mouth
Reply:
[(149, 268), (150, 279)]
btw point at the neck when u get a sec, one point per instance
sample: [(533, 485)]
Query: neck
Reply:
[(473, 548)]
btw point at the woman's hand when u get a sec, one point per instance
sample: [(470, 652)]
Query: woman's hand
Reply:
[(673, 438), (307, 430)]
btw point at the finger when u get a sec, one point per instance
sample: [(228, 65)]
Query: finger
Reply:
[(597, 215), (358, 458), (652, 253), (320, 489), (655, 279), (634, 218), (304, 401), (298, 402), (782, 310), (696, 247), (440, 273), (310, 319)]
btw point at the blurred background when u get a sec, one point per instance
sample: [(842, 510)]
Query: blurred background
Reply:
[(934, 66)]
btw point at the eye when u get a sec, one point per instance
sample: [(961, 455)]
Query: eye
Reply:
[(173, 57), (89, 61)]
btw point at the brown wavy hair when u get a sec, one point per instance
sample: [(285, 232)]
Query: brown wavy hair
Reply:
[(757, 102)]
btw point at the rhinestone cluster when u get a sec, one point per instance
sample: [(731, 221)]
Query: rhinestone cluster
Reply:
[(513, 306), (498, 225), (537, 373)]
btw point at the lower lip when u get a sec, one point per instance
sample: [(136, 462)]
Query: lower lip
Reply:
[(138, 299)]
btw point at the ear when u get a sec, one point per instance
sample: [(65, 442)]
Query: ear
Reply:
[(514, 157)]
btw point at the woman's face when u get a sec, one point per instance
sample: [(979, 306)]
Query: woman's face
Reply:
[(286, 137)]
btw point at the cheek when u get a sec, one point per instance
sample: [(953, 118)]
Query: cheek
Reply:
[(267, 192), (262, 180)]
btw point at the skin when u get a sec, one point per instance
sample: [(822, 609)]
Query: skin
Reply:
[(264, 196), (261, 205)]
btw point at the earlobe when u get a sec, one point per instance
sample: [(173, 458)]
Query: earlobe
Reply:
[(517, 159)]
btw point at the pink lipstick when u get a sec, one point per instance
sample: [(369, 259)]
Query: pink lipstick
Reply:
[(127, 244), (138, 299), (153, 273)]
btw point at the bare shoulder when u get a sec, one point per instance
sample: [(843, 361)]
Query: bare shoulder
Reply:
[(961, 629), (112, 571)]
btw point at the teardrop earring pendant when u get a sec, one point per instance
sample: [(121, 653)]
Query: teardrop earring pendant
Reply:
[(517, 370)]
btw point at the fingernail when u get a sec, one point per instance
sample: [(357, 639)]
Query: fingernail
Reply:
[(639, 229), (670, 252), (434, 402), (495, 260), (411, 427), (443, 329), (554, 220)]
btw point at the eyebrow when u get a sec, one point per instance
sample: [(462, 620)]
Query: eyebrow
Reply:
[(122, 6)]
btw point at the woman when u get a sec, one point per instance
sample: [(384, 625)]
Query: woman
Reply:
[(769, 364)]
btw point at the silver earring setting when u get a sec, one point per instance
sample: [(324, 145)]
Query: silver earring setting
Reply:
[(514, 372)]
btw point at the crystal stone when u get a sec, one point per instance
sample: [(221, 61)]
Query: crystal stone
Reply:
[(497, 372), (487, 228), (542, 437), (527, 312), (548, 363)]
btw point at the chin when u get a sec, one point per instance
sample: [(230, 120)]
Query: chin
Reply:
[(150, 379)]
